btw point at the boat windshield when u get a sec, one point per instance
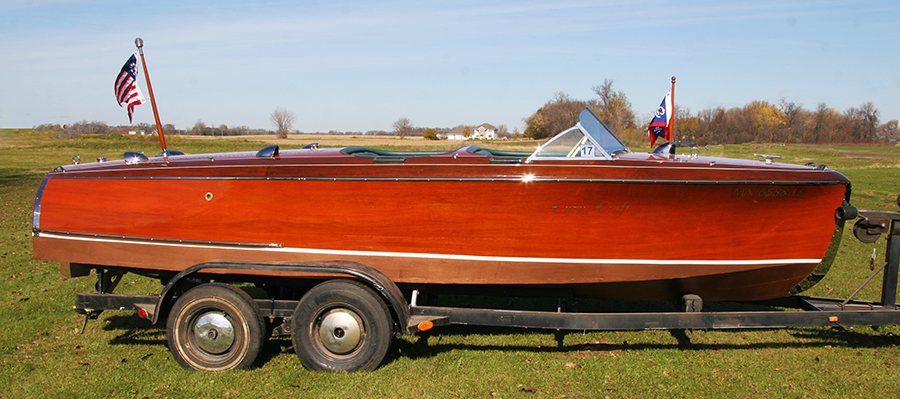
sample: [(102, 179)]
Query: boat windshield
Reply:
[(590, 138)]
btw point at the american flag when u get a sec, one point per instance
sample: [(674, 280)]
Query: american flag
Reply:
[(127, 90)]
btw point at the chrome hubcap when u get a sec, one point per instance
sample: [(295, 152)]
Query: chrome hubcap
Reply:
[(213, 332), (340, 331)]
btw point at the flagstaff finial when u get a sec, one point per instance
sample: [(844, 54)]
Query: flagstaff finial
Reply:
[(139, 42)]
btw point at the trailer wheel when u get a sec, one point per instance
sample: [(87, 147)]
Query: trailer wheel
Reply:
[(869, 231), (215, 327), (341, 325)]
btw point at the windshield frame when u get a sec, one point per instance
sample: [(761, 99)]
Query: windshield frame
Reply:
[(595, 132)]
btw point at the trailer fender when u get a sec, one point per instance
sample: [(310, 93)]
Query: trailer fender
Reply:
[(358, 271)]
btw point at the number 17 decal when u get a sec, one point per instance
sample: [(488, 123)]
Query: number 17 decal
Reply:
[(587, 150)]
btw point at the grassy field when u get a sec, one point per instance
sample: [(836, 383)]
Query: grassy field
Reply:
[(46, 350)]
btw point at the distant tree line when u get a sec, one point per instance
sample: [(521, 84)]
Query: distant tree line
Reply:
[(759, 121), (98, 127), (786, 122), (201, 129), (76, 129)]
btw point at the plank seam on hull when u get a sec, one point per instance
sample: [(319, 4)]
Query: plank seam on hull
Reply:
[(44, 233), (162, 166), (316, 251), (453, 179)]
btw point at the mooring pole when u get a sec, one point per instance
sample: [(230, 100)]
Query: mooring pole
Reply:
[(162, 140)]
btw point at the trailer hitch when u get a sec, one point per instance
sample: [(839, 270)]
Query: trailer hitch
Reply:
[(868, 229)]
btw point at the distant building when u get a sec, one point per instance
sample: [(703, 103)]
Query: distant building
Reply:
[(455, 134), (484, 131)]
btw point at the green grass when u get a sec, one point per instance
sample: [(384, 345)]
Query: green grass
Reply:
[(45, 353)]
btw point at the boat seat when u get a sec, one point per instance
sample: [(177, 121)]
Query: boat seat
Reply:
[(371, 152), (496, 153)]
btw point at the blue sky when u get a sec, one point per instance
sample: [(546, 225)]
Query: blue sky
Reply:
[(357, 66)]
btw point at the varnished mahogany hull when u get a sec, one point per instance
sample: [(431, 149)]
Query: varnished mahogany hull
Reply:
[(638, 230)]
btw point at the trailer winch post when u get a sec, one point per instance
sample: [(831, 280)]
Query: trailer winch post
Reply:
[(889, 284)]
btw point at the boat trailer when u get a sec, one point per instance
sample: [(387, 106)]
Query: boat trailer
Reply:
[(818, 311), (409, 317)]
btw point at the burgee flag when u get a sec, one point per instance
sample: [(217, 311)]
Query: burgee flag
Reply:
[(661, 125), (127, 91)]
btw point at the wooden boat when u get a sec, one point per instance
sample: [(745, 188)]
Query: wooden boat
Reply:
[(581, 214)]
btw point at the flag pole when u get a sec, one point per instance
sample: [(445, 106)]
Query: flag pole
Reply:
[(671, 124), (162, 139)]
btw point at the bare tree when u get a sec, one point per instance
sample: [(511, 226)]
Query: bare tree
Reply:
[(283, 120), (862, 123), (889, 132), (796, 122), (403, 127), (615, 109)]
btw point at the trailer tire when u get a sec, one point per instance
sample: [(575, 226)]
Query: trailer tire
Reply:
[(341, 325), (215, 327)]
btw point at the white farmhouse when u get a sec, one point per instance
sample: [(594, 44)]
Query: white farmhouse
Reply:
[(485, 131)]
